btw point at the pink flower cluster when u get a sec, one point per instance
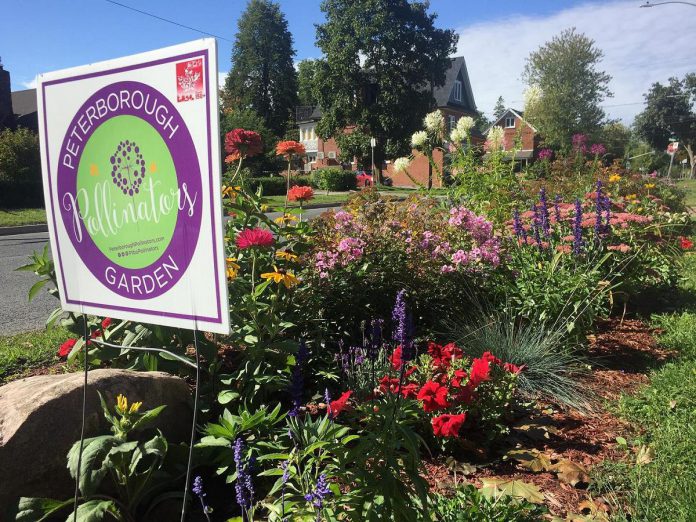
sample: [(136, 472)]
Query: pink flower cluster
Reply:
[(479, 227), (349, 249)]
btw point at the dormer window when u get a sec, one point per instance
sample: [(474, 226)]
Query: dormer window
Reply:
[(457, 90), (510, 122)]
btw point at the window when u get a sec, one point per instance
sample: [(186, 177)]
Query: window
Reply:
[(510, 122), (332, 155), (320, 155), (452, 123), (457, 90)]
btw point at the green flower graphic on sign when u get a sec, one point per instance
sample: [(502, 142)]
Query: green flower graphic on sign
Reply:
[(128, 192)]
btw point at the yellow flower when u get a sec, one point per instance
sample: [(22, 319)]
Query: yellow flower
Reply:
[(284, 254), (649, 186), (232, 268), (281, 276), (614, 178), (286, 218), (121, 403), (264, 208), (632, 197), (230, 191), (135, 407)]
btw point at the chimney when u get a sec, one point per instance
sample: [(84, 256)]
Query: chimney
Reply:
[(6, 113)]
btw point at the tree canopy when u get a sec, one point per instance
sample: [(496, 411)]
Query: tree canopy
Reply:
[(382, 58), (565, 71), (669, 113), (306, 82), (263, 76)]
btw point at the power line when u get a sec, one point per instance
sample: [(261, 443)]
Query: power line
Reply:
[(169, 21)]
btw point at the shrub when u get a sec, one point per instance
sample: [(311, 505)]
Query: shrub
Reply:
[(276, 185), (333, 179), (20, 169)]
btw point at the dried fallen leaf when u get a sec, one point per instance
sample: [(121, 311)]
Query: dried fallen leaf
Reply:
[(531, 459), (494, 487), (672, 405), (571, 473), (645, 455)]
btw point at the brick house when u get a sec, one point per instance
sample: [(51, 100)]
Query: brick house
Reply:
[(455, 99), (518, 135)]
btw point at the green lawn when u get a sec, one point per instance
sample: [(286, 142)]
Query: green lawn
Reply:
[(689, 186), (22, 352), (22, 216), (319, 198), (664, 414)]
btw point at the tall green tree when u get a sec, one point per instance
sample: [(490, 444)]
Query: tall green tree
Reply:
[(263, 76), (306, 82), (382, 59), (616, 137), (565, 71), (499, 108), (669, 113)]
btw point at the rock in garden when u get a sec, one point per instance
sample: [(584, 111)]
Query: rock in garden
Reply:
[(40, 419)]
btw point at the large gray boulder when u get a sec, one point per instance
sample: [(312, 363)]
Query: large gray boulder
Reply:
[(40, 419)]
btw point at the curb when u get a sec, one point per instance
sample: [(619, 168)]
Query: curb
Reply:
[(23, 229)]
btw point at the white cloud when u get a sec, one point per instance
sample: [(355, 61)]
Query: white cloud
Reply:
[(222, 76), (641, 46), (29, 85)]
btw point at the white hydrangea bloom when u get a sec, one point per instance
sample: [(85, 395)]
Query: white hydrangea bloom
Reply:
[(434, 121), (401, 164), (465, 124), (495, 138), (419, 138)]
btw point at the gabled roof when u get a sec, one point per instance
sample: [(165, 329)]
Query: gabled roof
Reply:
[(444, 95), (516, 114)]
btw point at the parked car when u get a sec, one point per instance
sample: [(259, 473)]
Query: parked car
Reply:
[(364, 178)]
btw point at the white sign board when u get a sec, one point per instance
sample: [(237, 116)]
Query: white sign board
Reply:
[(130, 154)]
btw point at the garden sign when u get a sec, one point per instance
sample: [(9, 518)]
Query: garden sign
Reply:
[(131, 173)]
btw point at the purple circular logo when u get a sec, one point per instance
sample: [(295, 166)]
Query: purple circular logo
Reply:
[(129, 189)]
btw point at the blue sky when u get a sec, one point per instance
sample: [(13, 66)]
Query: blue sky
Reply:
[(641, 45)]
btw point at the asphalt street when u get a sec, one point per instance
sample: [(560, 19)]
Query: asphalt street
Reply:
[(17, 314)]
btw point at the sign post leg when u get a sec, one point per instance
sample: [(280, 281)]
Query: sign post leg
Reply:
[(193, 425), (84, 415)]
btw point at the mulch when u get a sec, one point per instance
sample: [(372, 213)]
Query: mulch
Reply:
[(620, 353)]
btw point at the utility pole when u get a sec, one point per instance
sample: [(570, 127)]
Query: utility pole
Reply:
[(373, 143)]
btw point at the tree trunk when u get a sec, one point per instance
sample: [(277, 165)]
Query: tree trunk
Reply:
[(430, 174), (692, 167)]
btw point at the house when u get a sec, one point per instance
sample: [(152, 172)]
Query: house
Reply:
[(454, 99), (519, 135), (24, 108)]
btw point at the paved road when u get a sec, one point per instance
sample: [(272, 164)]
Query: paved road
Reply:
[(17, 314)]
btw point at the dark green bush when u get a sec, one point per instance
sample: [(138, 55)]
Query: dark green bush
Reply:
[(276, 185), (334, 179), (20, 169)]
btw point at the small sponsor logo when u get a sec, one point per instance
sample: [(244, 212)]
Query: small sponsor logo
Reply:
[(189, 80)]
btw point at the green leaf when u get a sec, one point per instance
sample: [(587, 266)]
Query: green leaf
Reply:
[(39, 509), (93, 461), (227, 396), (494, 487), (148, 417), (36, 287), (95, 511)]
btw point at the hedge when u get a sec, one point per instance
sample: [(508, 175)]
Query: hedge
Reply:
[(334, 179), (276, 185)]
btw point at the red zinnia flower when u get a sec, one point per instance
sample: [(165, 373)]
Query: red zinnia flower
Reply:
[(240, 143), (300, 193), (448, 425), (686, 243), (288, 148), (433, 395), (340, 404), (254, 237), (66, 347), (106, 322)]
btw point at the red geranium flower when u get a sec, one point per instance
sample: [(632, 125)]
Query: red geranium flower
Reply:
[(240, 143), (254, 237), (480, 372), (288, 148), (340, 404), (66, 347), (448, 425), (434, 396), (106, 322), (300, 193), (686, 243)]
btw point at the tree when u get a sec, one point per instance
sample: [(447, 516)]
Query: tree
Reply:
[(482, 122), (669, 113), (263, 76), (382, 60), (499, 108), (306, 81), (571, 88), (616, 138)]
